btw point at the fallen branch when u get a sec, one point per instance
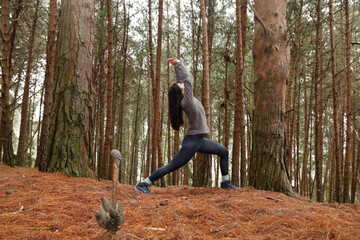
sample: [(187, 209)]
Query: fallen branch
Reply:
[(18, 211)]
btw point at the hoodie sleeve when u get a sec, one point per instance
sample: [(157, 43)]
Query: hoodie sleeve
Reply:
[(183, 76)]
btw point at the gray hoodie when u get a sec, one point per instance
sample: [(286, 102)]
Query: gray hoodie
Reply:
[(191, 105)]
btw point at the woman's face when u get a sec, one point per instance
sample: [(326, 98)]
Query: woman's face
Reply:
[(181, 86)]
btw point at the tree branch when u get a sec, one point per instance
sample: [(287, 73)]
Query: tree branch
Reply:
[(257, 16)]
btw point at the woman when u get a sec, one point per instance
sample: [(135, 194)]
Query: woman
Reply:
[(181, 99)]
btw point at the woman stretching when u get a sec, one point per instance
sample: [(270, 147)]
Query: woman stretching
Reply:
[(181, 99)]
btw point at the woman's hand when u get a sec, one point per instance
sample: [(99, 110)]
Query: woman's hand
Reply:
[(173, 61)]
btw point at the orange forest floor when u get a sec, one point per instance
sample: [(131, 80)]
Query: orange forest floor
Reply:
[(35, 205)]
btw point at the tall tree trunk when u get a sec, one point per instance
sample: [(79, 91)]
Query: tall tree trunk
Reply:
[(202, 167), (168, 86), (239, 125), (49, 86), (293, 79), (6, 131), (25, 103), (101, 162), (268, 168), (175, 174), (318, 104), (346, 197), (149, 120), (244, 161), (110, 93), (156, 90), (10, 43), (69, 145), (307, 111), (335, 85), (122, 92), (152, 166)]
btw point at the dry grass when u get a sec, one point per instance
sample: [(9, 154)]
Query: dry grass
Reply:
[(56, 206)]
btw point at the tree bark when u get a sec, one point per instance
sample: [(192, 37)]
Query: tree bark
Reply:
[(202, 167), (239, 125), (51, 47), (6, 131), (355, 176), (271, 54), (346, 198), (122, 92), (318, 104), (168, 86), (69, 145), (336, 164), (25, 103), (156, 90), (134, 153), (293, 88), (307, 110), (110, 94), (101, 162)]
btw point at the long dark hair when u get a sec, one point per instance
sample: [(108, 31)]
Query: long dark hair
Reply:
[(175, 109)]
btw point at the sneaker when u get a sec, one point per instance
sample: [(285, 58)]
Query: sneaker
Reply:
[(227, 185), (143, 187)]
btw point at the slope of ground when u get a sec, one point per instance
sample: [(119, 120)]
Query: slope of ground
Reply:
[(35, 205)]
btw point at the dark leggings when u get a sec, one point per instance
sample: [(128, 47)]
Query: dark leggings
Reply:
[(191, 145)]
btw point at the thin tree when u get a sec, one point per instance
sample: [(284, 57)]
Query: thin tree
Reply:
[(346, 197), (25, 103), (239, 126), (122, 89), (202, 166), (149, 166), (48, 85), (175, 174), (101, 78), (110, 94), (268, 168), (134, 152), (307, 110), (336, 163), (168, 86), (156, 90), (293, 88), (69, 146), (318, 103)]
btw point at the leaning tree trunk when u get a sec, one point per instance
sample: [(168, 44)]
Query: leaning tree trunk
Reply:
[(271, 54), (69, 145)]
